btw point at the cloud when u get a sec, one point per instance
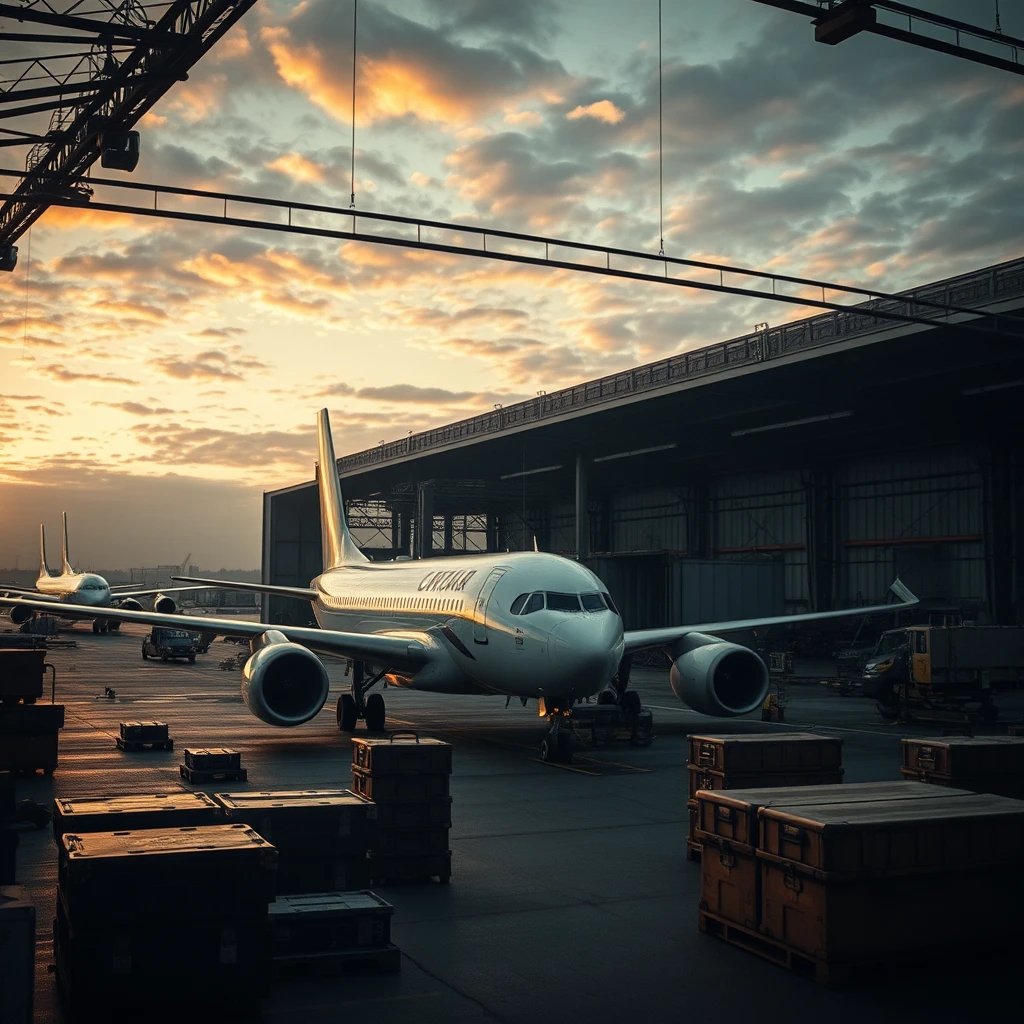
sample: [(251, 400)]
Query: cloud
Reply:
[(296, 166), (136, 408), (601, 110), (414, 393), (213, 364), (63, 375)]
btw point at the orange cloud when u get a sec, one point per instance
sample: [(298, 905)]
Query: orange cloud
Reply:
[(602, 110), (295, 165)]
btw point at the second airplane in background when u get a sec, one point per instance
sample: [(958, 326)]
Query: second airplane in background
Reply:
[(84, 589), (526, 624)]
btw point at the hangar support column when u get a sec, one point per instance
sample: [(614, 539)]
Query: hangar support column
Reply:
[(582, 511), (424, 519), (1002, 494), (820, 527)]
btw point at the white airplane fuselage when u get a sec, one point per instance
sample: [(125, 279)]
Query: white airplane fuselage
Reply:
[(76, 588), (466, 603)]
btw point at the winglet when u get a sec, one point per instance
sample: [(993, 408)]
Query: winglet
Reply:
[(904, 593), (43, 570), (65, 564), (338, 546)]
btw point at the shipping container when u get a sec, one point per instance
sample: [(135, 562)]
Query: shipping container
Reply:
[(776, 752)]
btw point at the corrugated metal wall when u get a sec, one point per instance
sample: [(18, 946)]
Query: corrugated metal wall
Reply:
[(648, 520), (916, 514), (763, 515)]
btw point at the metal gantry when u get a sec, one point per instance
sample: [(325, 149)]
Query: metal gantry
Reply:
[(79, 69), (837, 20)]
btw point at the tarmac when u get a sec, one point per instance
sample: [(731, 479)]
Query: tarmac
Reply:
[(571, 896)]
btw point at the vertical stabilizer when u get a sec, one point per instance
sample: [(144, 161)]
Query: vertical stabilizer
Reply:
[(65, 564), (43, 571), (338, 545)]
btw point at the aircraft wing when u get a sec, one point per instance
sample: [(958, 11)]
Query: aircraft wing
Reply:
[(640, 638), (302, 593), (409, 651), (6, 591), (149, 593)]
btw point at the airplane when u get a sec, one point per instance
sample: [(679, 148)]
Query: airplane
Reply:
[(527, 624), (84, 589)]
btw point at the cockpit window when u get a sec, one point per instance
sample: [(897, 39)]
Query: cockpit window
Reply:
[(534, 604), (592, 602), (517, 604), (563, 602), (611, 604)]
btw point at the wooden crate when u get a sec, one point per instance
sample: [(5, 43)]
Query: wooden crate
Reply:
[(144, 732), (411, 842), (401, 754), (712, 779), (212, 759), (418, 815), (21, 674), (304, 874), (882, 837), (774, 752), (30, 752), (193, 873), (730, 880), (128, 813), (314, 922), (400, 789), (732, 813), (984, 764), (18, 959)]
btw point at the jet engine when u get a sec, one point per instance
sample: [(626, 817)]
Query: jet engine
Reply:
[(20, 615), (283, 683), (129, 604), (717, 678), (164, 604)]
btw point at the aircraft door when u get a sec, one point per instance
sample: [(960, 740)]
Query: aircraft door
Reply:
[(480, 610)]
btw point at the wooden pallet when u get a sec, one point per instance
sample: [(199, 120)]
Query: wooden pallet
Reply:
[(385, 959), (826, 972), (198, 777), (132, 745)]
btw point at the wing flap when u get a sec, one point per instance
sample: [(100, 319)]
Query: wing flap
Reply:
[(640, 638), (410, 650), (301, 593)]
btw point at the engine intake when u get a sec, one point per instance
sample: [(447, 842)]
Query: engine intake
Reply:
[(283, 683), (129, 604), (717, 678), (164, 604), (20, 615)]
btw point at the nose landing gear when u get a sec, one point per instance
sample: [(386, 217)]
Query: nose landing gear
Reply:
[(556, 747), (355, 705)]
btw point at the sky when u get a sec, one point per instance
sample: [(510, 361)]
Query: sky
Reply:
[(157, 377)]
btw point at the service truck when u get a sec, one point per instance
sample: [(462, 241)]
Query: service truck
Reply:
[(166, 644), (944, 668)]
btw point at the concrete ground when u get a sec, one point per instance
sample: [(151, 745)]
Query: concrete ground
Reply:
[(571, 897)]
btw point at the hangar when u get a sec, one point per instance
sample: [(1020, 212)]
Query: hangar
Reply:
[(799, 467)]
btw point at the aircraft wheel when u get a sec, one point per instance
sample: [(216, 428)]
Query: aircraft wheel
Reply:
[(549, 749), (606, 697), (631, 702), (347, 713), (163, 657), (564, 744), (145, 656), (374, 713), (191, 659), (95, 627)]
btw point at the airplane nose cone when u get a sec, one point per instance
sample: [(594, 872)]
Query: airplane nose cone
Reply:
[(584, 652)]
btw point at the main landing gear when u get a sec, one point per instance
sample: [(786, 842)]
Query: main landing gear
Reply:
[(100, 627), (556, 747), (357, 704)]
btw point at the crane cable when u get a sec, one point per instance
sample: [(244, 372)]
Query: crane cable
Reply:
[(355, 17), (661, 147)]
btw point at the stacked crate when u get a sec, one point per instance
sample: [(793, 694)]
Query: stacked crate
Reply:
[(887, 881), (17, 955), (322, 836), (728, 830), (408, 779), (983, 764), (331, 930), (28, 731), (131, 813), (163, 916), (772, 761)]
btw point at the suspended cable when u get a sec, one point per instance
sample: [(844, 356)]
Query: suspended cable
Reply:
[(355, 21), (661, 147), (28, 275)]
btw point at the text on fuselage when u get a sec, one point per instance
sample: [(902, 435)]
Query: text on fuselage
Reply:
[(453, 579)]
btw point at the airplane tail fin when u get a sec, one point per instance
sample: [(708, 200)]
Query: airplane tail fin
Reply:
[(43, 570), (338, 546), (66, 565)]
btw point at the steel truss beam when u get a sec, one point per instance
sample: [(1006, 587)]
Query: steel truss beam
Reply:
[(881, 305), (138, 50), (962, 38)]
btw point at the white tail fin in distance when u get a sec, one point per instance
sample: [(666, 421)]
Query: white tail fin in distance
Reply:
[(65, 564), (43, 571), (338, 545)]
